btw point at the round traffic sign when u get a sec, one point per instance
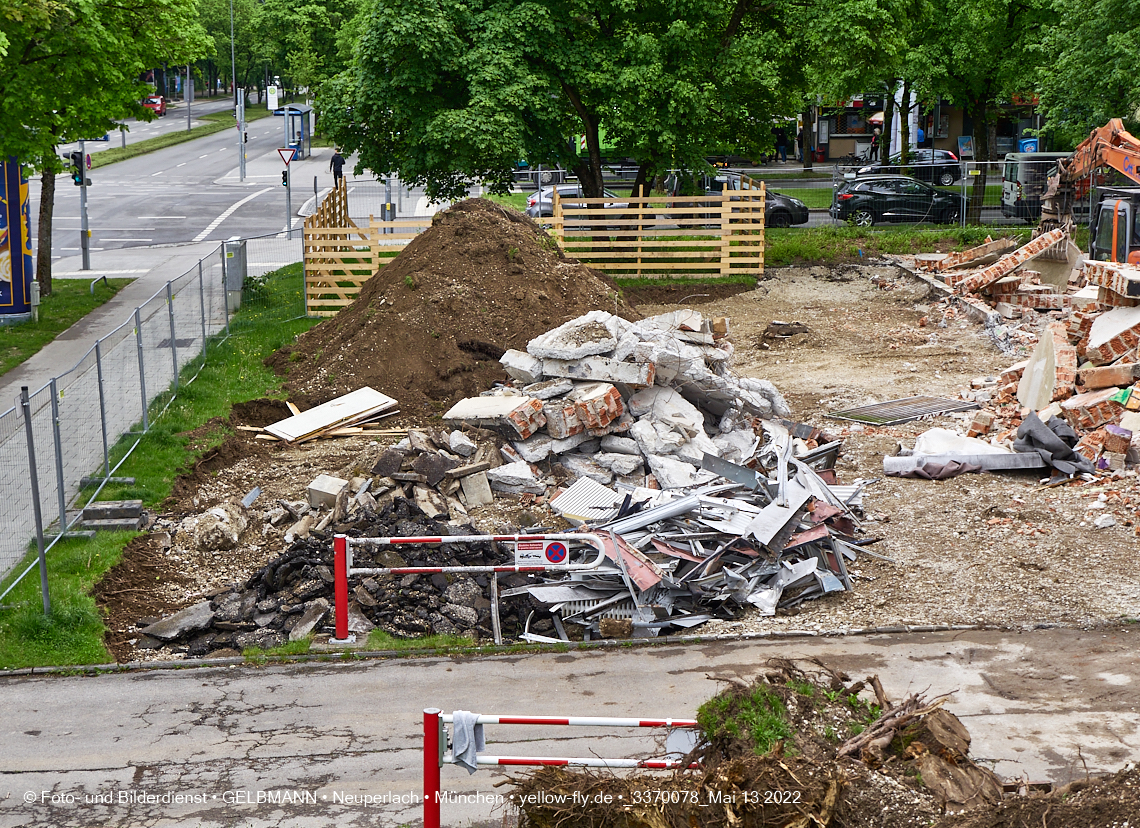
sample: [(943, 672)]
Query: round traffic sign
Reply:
[(556, 552)]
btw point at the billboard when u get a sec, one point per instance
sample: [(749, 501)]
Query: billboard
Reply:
[(15, 245)]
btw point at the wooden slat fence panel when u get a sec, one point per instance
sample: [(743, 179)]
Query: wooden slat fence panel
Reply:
[(655, 236)]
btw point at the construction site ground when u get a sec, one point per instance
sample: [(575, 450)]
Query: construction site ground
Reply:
[(978, 549)]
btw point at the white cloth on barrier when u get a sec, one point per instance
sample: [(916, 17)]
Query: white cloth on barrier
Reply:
[(466, 739)]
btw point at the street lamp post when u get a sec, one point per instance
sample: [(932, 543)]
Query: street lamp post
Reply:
[(239, 106)]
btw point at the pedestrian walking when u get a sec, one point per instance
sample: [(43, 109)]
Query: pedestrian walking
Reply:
[(875, 145), (781, 144), (336, 164)]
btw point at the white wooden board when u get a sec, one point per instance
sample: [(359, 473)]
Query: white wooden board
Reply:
[(348, 409)]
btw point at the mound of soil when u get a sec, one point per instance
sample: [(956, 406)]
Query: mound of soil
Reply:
[(429, 328)]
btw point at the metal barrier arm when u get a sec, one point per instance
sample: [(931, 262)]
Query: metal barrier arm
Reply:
[(585, 762), (431, 570)]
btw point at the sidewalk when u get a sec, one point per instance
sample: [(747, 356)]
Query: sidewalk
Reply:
[(150, 267)]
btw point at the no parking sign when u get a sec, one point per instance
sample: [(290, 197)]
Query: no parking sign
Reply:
[(538, 552)]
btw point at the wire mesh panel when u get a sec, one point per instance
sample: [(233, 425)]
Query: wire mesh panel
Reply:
[(121, 387), (186, 305), (154, 319), (214, 286), (16, 511), (80, 423), (42, 434)]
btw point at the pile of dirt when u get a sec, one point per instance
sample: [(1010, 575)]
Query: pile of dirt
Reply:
[(801, 745), (429, 328)]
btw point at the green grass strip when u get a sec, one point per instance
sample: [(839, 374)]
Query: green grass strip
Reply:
[(70, 301), (216, 122), (73, 633)]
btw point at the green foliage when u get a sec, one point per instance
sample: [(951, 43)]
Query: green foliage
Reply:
[(1087, 68), (834, 243), (453, 93), (70, 301), (380, 640), (804, 688), (73, 633), (256, 655), (756, 715), (71, 69)]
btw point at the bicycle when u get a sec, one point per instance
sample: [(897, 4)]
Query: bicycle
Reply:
[(853, 159)]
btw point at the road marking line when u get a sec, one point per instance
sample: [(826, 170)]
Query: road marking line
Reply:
[(107, 272), (228, 213), (183, 164), (152, 175), (104, 238), (200, 157), (148, 218)]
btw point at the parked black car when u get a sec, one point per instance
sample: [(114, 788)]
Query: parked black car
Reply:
[(871, 199), (779, 210), (934, 165)]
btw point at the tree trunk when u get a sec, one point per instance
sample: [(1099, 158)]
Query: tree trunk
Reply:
[(43, 251), (904, 125), (979, 114), (888, 123), (809, 133)]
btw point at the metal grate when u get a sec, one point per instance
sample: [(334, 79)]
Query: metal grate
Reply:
[(893, 412)]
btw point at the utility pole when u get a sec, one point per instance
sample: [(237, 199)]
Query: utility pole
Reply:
[(188, 93), (84, 232), (241, 133)]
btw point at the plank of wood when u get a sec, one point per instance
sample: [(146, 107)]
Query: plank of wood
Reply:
[(248, 428), (268, 437), (292, 407), (344, 410)]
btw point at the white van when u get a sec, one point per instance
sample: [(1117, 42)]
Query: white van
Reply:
[(1024, 179)]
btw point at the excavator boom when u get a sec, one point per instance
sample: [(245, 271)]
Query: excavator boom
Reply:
[(1111, 145)]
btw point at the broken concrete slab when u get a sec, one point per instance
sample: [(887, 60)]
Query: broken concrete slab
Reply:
[(521, 416), (195, 617), (597, 404), (1035, 388), (549, 389), (220, 527), (1092, 409), (476, 490), (676, 474), (1108, 376), (581, 465), (315, 613), (619, 463), (620, 445), (595, 333), (601, 369), (461, 444), (515, 478)]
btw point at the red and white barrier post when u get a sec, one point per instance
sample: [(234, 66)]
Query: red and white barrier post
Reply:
[(433, 750), (340, 581)]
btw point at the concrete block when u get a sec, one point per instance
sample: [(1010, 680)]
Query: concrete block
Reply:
[(620, 445), (619, 463), (515, 478), (521, 366), (676, 474), (549, 389), (534, 449), (596, 404), (461, 444), (601, 369), (562, 418), (579, 465), (476, 490), (324, 489), (1117, 439), (568, 443), (982, 424)]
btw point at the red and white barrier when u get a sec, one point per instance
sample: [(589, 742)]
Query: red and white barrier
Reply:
[(343, 568), (436, 755)]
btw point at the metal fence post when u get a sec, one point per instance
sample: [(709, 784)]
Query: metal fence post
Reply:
[(173, 344), (142, 369), (102, 408), (26, 407), (225, 285), (202, 302), (433, 744), (58, 456)]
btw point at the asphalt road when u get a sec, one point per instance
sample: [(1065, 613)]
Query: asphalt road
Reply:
[(90, 750)]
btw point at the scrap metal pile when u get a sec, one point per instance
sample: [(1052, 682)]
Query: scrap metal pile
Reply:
[(710, 502)]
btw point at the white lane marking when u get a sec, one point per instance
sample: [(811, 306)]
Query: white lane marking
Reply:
[(104, 238), (146, 218), (107, 272), (183, 164), (228, 213), (200, 157), (152, 175)]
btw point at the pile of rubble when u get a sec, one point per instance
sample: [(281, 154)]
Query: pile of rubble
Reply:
[(1075, 402)]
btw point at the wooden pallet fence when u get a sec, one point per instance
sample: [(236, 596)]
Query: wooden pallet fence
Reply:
[(659, 237), (340, 259)]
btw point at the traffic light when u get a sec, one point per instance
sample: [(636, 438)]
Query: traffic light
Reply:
[(284, 178), (76, 160)]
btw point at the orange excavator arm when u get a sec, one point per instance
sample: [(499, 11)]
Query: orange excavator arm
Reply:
[(1111, 145)]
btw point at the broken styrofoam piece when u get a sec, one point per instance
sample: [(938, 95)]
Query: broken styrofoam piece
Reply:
[(515, 478), (944, 441), (324, 489), (521, 366), (595, 333)]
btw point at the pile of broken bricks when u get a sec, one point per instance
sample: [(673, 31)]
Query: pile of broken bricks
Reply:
[(1084, 317)]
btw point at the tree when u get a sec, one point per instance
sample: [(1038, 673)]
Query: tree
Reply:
[(69, 70), (304, 37), (1088, 67), (450, 93), (983, 52)]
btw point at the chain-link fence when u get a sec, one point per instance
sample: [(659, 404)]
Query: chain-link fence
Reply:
[(80, 415)]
